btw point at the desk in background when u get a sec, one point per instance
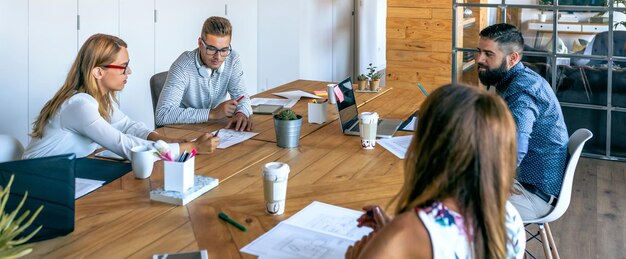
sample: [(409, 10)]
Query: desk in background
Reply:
[(583, 28)]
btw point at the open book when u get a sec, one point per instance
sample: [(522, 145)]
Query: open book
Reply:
[(318, 231)]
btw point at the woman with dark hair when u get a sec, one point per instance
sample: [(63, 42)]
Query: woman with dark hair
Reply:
[(459, 171)]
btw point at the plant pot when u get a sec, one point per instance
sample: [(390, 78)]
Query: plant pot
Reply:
[(543, 17), (374, 84), (287, 132), (362, 84)]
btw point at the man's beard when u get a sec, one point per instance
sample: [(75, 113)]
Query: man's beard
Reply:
[(491, 77)]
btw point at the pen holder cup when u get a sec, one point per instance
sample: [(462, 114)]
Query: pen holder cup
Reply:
[(178, 175), (318, 112)]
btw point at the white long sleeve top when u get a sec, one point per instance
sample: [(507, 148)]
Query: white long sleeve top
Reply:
[(77, 127)]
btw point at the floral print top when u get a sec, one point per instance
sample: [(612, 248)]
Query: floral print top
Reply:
[(448, 236)]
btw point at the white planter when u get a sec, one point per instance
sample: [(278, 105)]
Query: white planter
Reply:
[(542, 17)]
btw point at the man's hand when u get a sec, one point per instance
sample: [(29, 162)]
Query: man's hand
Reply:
[(225, 109), (240, 122)]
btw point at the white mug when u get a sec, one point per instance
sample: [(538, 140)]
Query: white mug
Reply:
[(142, 159), (275, 176)]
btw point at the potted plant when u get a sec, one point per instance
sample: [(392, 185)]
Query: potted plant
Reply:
[(287, 126), (374, 77), (362, 81), (542, 16), (12, 225)]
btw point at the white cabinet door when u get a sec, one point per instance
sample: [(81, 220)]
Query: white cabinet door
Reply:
[(343, 40), (316, 40), (14, 69), (243, 17), (52, 48), (279, 43), (137, 29), (100, 16), (178, 26)]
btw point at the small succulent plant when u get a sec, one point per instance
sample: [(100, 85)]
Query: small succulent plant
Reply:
[(12, 225), (362, 77), (373, 75), (287, 114)]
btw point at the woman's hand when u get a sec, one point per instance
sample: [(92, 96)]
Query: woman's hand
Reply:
[(206, 143), (374, 217), (356, 249)]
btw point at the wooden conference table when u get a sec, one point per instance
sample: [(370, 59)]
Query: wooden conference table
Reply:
[(119, 219)]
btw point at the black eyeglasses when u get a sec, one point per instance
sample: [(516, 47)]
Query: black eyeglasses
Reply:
[(210, 50), (125, 67)]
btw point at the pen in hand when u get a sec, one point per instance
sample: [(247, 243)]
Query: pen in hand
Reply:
[(240, 98), (226, 218), (217, 132)]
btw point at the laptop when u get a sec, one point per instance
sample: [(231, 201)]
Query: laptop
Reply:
[(349, 114), (49, 181)]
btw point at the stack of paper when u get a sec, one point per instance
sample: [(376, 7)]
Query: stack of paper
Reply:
[(296, 95), (84, 186), (287, 103), (318, 231)]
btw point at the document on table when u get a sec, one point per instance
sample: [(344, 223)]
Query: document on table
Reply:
[(229, 137), (84, 186), (287, 103), (318, 231), (397, 145), (297, 95)]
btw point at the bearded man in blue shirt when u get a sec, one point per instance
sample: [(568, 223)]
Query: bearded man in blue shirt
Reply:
[(541, 133)]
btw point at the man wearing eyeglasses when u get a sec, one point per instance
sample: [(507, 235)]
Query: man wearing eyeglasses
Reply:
[(198, 81)]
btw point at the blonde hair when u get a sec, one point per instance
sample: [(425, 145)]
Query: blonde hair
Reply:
[(464, 148), (99, 50), (217, 26)]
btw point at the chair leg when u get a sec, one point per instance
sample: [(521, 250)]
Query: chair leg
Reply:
[(555, 252), (544, 241)]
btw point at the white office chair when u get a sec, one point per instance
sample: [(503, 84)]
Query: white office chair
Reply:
[(574, 148), (10, 148)]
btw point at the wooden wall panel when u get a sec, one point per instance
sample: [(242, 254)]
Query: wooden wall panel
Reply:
[(419, 43)]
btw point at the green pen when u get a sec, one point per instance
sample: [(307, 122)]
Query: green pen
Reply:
[(226, 218)]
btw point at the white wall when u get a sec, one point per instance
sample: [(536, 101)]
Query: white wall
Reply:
[(371, 34), (279, 41), (305, 39), (14, 69)]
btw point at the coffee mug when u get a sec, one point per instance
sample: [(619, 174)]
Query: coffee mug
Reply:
[(142, 160)]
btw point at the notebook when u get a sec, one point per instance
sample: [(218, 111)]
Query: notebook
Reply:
[(349, 114)]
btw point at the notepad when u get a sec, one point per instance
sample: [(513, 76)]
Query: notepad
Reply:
[(318, 231)]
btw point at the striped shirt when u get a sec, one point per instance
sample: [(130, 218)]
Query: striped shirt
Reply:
[(191, 90), (541, 132)]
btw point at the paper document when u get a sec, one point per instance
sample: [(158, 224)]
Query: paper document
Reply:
[(230, 137), (318, 231), (397, 145), (411, 126), (287, 103), (296, 95), (84, 186)]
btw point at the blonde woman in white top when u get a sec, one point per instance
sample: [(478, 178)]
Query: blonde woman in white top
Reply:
[(84, 114)]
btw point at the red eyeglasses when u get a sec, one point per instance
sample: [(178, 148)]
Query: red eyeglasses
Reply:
[(124, 68)]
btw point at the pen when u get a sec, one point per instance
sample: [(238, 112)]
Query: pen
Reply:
[(217, 132), (422, 88), (193, 153), (239, 99), (225, 217), (181, 158)]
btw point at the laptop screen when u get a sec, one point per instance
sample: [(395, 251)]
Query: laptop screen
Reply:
[(348, 113)]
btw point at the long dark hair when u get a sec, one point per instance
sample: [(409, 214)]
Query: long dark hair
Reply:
[(465, 149)]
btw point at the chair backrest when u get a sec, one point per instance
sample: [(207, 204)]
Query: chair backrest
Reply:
[(10, 148), (574, 148), (157, 82)]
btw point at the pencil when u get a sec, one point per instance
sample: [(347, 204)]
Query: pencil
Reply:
[(240, 98), (226, 218), (422, 88)]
